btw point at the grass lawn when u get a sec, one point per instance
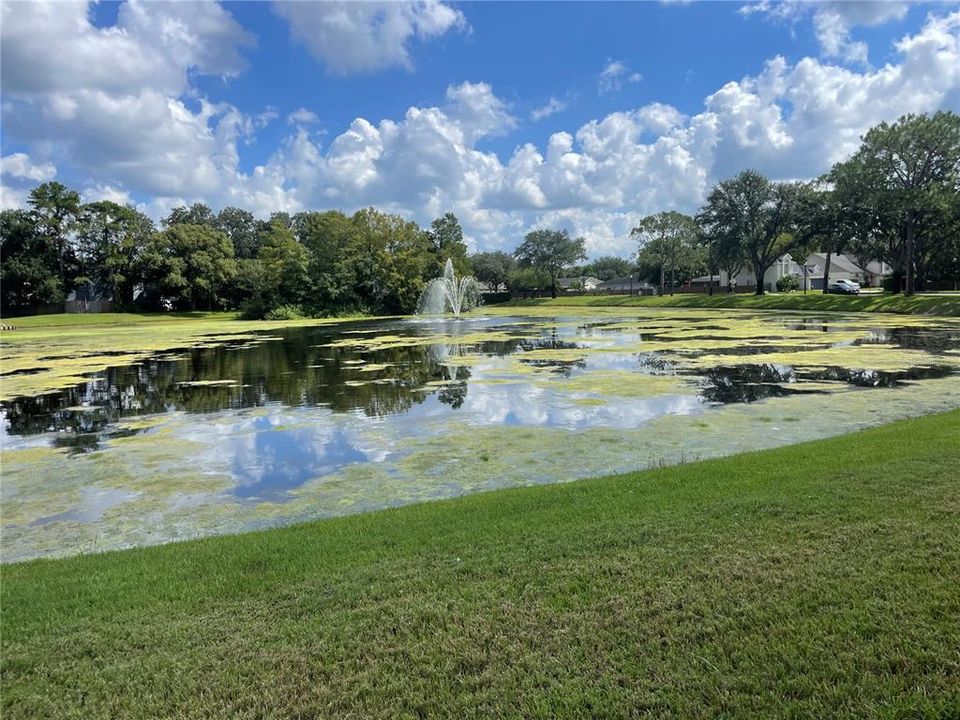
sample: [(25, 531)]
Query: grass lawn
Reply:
[(927, 304), (818, 580)]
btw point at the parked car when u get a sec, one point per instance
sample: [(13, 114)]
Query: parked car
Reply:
[(844, 287)]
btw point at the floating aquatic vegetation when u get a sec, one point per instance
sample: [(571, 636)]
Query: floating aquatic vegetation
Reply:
[(245, 431)]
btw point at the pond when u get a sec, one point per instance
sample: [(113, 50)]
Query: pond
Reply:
[(312, 422)]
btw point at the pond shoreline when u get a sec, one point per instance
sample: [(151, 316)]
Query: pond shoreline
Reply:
[(942, 304)]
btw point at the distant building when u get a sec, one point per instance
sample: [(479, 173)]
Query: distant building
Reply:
[(842, 267), (845, 267), (578, 283)]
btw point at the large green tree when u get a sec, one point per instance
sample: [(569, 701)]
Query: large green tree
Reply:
[(56, 210), (286, 266), (332, 239), (391, 261), (190, 265), (196, 214), (446, 243), (493, 268), (608, 267), (757, 214), (905, 177), (668, 246), (550, 251), (243, 229), (29, 267), (113, 240)]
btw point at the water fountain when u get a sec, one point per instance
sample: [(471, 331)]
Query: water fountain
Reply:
[(449, 293)]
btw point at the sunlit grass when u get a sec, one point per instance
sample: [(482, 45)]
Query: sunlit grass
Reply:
[(817, 580), (929, 304)]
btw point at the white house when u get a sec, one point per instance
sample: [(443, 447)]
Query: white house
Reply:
[(578, 283), (842, 267), (846, 267)]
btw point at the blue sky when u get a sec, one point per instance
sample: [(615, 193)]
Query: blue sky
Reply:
[(513, 115)]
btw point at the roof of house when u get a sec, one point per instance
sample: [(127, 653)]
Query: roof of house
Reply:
[(838, 261), (571, 281)]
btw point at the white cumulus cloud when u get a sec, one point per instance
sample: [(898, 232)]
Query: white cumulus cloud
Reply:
[(362, 37)]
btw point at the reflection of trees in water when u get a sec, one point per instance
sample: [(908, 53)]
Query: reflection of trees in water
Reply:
[(749, 383), (291, 371), (912, 338), (744, 383)]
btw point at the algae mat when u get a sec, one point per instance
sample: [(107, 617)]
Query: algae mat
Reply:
[(294, 423)]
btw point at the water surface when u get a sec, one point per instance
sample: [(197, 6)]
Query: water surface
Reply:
[(319, 421)]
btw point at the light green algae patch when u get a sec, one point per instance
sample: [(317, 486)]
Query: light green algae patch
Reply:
[(501, 425), (621, 384)]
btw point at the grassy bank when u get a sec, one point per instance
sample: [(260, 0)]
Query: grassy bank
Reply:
[(812, 581), (47, 352), (932, 304)]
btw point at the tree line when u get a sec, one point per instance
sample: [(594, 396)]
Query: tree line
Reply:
[(895, 200)]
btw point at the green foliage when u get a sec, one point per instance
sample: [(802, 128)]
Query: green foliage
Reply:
[(29, 268), (190, 264), (285, 264), (446, 243), (897, 200), (391, 259), (56, 210), (196, 214), (758, 216), (903, 187), (113, 240), (528, 279), (607, 267), (243, 229), (493, 268), (788, 283), (669, 247), (550, 251), (285, 312)]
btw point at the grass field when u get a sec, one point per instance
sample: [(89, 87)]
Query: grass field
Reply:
[(930, 304), (818, 580)]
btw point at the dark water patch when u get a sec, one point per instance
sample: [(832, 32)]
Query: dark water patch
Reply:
[(876, 378), (23, 371), (745, 383), (752, 382)]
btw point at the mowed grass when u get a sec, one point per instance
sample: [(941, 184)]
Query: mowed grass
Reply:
[(818, 580), (924, 304)]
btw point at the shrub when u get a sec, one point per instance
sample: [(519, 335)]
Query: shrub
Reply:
[(788, 283), (284, 312)]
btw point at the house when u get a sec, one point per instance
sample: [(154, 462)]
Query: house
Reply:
[(784, 265), (842, 267), (628, 285), (569, 284), (846, 267)]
